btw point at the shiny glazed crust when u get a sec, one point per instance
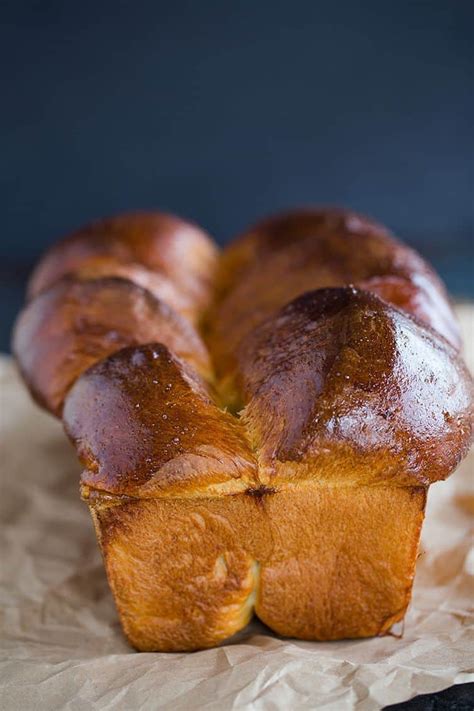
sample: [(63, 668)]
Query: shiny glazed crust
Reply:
[(172, 258), (376, 397), (285, 256), (335, 348), (77, 323)]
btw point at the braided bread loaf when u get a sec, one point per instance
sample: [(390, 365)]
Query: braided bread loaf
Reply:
[(336, 350)]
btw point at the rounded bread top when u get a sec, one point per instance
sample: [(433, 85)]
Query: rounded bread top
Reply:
[(341, 385)]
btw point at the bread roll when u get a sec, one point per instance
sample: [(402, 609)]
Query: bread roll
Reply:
[(161, 252), (287, 255), (76, 323)]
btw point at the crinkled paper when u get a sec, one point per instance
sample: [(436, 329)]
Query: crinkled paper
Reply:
[(61, 643)]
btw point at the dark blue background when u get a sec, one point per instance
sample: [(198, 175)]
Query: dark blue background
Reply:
[(225, 110)]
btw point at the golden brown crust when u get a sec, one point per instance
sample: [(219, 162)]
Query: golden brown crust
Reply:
[(158, 284), (307, 508), (187, 573), (287, 255), (182, 580), (144, 425), (76, 323), (162, 244), (343, 560), (341, 386)]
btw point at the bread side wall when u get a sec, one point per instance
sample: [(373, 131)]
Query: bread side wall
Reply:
[(313, 562)]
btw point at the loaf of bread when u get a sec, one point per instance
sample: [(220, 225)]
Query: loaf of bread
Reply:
[(258, 428)]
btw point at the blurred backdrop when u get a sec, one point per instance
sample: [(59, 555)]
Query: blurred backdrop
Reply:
[(226, 110)]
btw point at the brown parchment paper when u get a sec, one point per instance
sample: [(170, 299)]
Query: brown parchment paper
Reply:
[(61, 644)]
